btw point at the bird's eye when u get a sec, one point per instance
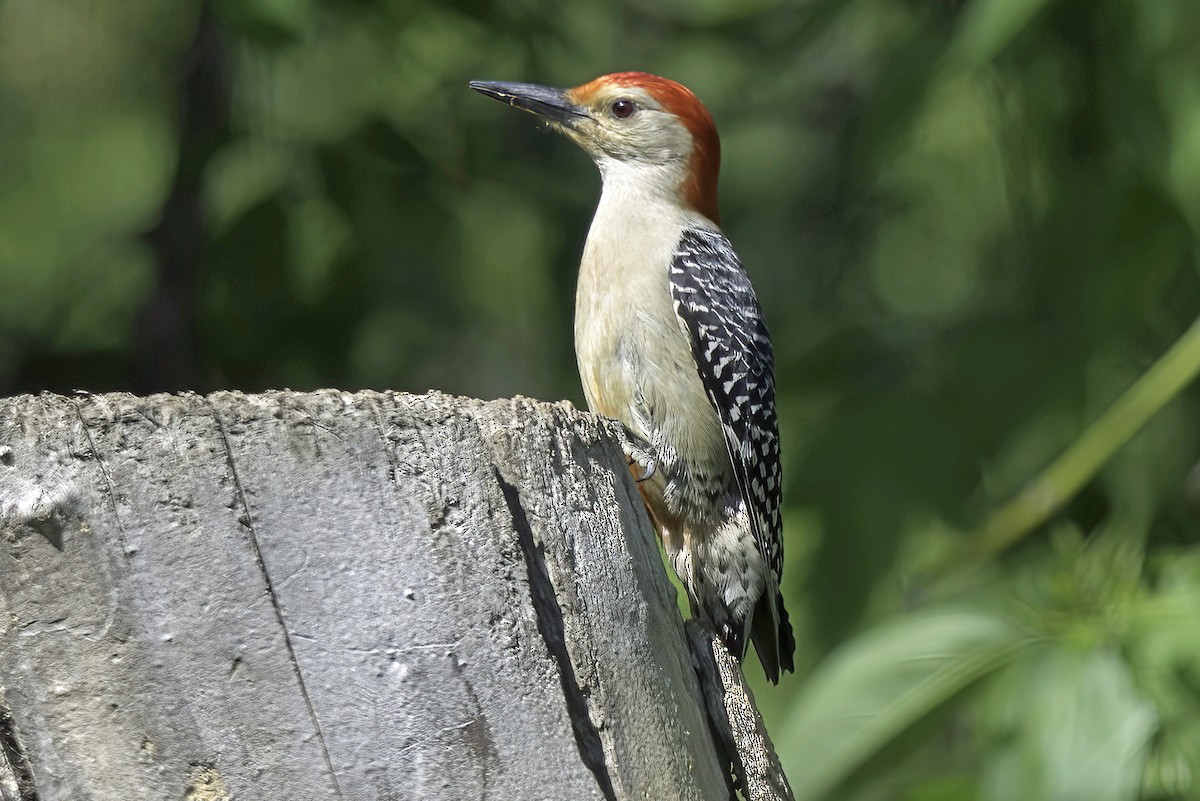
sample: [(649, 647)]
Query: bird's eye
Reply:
[(623, 108)]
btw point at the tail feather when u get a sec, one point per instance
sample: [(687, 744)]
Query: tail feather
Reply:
[(768, 628), (772, 636), (765, 623)]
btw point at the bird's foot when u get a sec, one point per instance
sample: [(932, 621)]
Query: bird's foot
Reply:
[(642, 463), (645, 463)]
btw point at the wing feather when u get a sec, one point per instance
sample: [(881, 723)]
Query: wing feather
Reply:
[(720, 314)]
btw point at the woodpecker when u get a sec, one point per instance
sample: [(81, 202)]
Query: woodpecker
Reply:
[(670, 342)]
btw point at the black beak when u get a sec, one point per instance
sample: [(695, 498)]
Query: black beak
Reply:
[(544, 101)]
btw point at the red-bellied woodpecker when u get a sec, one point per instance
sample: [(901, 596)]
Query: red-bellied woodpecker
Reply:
[(671, 342)]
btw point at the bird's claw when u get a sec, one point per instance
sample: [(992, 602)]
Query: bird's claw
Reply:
[(642, 463), (648, 466)]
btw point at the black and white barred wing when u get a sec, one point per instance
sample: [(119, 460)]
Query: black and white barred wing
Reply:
[(719, 311)]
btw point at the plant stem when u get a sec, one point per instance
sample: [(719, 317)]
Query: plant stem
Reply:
[(1080, 462)]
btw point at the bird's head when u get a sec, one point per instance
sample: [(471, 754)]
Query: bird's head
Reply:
[(646, 126)]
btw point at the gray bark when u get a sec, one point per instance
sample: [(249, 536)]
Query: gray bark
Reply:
[(335, 595)]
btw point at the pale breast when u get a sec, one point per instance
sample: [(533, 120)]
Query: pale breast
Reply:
[(635, 361)]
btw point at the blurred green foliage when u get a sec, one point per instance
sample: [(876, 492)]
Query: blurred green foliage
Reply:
[(973, 225)]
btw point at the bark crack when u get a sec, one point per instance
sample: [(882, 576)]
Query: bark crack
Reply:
[(14, 765), (275, 605), (551, 627), (112, 488)]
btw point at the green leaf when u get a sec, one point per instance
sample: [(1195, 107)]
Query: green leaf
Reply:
[(1164, 655), (1072, 727), (882, 682), (988, 26)]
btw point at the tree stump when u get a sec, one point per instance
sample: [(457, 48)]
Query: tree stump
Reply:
[(338, 595)]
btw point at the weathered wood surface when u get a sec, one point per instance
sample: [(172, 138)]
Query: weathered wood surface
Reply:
[(334, 595), (741, 735)]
